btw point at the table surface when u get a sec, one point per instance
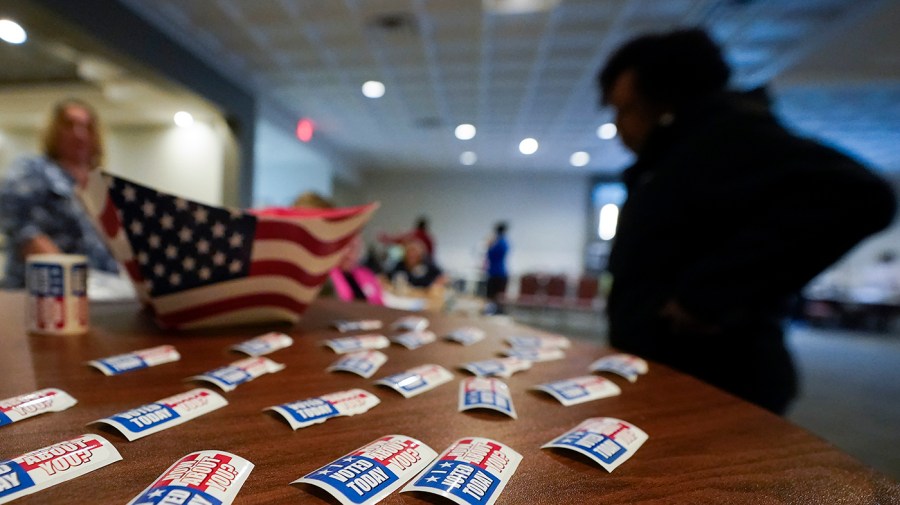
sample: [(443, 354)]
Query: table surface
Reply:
[(705, 446)]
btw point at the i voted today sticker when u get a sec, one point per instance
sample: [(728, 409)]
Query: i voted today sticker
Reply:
[(418, 380), (54, 464), (625, 365), (466, 335), (539, 341), (364, 363), (606, 440), (485, 393), (375, 470), (229, 377), (499, 367), (264, 344), (345, 326), (115, 365), (319, 409), (166, 413), (201, 478), (346, 345), (472, 471), (411, 323), (580, 389), (33, 404), (414, 339)]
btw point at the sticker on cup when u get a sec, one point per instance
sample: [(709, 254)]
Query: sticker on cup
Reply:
[(57, 302), (472, 471), (466, 335), (345, 326), (498, 367), (319, 409), (166, 413), (607, 441), (372, 472), (202, 477), (229, 377), (54, 464), (418, 380), (345, 345), (414, 339), (625, 365), (580, 389), (121, 363), (33, 404), (485, 393), (364, 363), (264, 344)]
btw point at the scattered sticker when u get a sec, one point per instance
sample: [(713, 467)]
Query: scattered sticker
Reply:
[(411, 323), (166, 413), (415, 339), (372, 472), (319, 409), (202, 477), (485, 393), (115, 365), (33, 404), (472, 471), (54, 464), (364, 363), (231, 376), (625, 365), (417, 380), (535, 354), (606, 440), (498, 367), (539, 341), (264, 344), (358, 343), (466, 335), (580, 389), (345, 326)]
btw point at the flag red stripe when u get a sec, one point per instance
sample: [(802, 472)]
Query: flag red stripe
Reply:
[(279, 230), (286, 269), (109, 218), (225, 305), (134, 271)]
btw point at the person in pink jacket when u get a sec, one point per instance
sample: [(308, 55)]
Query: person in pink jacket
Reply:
[(353, 281)]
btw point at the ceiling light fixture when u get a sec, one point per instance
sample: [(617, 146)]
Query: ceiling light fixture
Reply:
[(12, 32), (518, 6), (465, 131), (468, 158), (579, 159), (305, 129), (607, 131), (528, 146), (183, 119), (373, 89)]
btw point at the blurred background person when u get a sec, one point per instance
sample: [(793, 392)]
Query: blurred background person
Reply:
[(497, 275), (39, 209), (354, 281), (728, 216), (419, 232)]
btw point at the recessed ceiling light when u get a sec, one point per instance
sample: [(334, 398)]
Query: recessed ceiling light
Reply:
[(579, 159), (468, 158), (528, 146), (465, 132), (12, 32), (606, 131), (183, 119), (373, 89)]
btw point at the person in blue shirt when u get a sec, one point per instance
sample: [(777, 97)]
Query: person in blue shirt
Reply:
[(497, 276), (39, 208)]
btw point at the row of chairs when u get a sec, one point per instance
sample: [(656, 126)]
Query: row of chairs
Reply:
[(537, 290)]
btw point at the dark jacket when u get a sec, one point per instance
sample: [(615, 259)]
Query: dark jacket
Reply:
[(730, 215)]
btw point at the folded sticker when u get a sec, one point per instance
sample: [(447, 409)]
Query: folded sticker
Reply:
[(499, 367), (626, 365), (202, 477), (466, 335), (414, 339), (411, 323), (538, 341), (375, 470), (364, 363), (473, 471), (163, 414), (264, 344), (303, 413), (43, 468), (33, 404), (417, 380), (358, 343), (606, 440), (361, 325), (535, 354), (580, 389), (115, 365), (229, 377), (485, 393)]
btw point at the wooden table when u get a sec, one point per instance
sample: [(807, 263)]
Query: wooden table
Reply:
[(704, 447)]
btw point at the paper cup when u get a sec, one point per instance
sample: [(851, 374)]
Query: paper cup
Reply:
[(57, 294)]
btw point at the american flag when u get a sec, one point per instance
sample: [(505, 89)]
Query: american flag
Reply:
[(197, 265)]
